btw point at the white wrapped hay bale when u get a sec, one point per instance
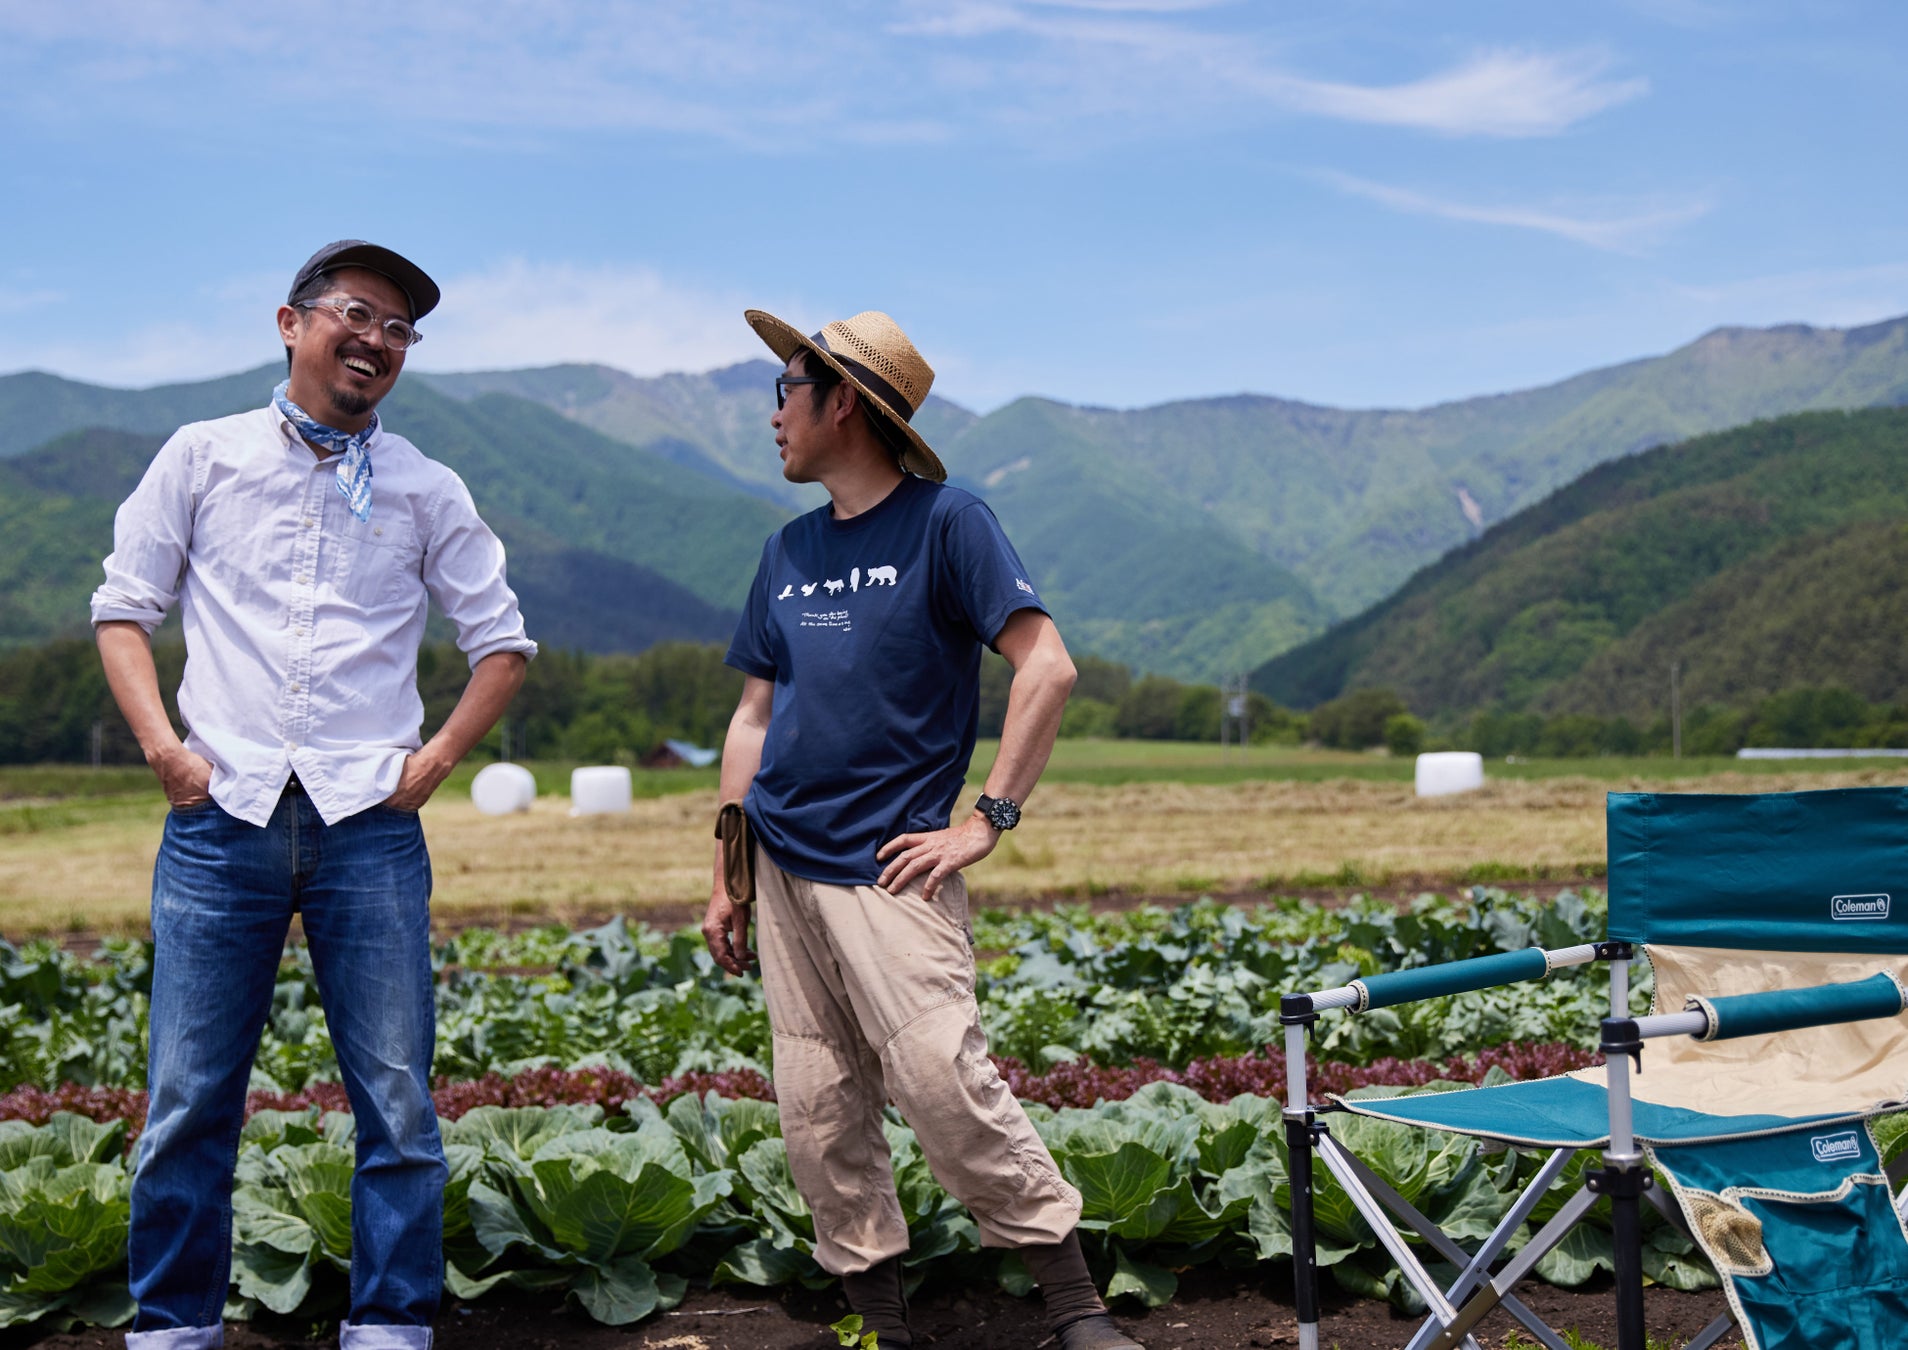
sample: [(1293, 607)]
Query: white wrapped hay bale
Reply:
[(600, 790), (500, 789), (1446, 771)]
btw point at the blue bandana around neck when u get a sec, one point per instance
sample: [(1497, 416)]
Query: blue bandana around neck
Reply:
[(354, 471)]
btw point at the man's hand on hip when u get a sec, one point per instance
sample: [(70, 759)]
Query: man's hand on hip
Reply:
[(726, 929), (186, 777), (937, 853), (421, 777)]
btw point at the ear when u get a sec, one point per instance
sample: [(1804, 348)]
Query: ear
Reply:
[(287, 324), (845, 410)]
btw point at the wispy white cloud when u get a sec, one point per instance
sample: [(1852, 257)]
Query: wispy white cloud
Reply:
[(514, 313), (1508, 94), (1840, 297), (746, 71), (520, 313), (1143, 46), (19, 301), (1628, 231)]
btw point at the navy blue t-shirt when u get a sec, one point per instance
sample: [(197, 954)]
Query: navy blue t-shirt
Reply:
[(871, 629)]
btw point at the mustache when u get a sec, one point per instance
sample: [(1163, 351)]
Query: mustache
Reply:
[(371, 354)]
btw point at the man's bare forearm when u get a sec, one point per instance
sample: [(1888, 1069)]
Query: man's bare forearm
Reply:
[(125, 651), (1036, 700), (493, 683)]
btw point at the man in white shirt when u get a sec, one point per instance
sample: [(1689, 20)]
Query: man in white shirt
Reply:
[(304, 543)]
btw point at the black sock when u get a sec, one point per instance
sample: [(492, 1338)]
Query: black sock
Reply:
[(876, 1294), (1060, 1269)]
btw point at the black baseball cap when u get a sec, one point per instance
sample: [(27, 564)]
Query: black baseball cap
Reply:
[(407, 275)]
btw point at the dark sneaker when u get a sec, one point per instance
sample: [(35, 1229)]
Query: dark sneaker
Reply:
[(1095, 1333)]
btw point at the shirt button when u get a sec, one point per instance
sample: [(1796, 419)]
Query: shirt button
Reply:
[(377, 529), (300, 630), (302, 579), (294, 688), (309, 522)]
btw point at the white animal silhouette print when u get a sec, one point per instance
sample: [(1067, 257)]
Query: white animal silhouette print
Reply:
[(833, 587), (786, 592), (854, 580), (809, 589), (881, 576)]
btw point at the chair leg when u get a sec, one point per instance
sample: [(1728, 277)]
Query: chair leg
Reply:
[(1298, 1139), (1623, 1181), (1712, 1333)]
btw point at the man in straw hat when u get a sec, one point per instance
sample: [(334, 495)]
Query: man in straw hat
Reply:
[(861, 643), (303, 544)]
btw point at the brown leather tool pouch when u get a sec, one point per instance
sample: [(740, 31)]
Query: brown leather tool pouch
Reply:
[(738, 852)]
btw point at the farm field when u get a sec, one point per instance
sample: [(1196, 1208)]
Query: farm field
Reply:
[(620, 1058), (1118, 1021), (1119, 818)]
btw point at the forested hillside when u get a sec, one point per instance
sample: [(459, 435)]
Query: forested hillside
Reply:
[(611, 549), (1195, 538), (1762, 559)]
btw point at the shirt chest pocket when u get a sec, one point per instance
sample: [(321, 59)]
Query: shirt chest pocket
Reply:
[(375, 562)]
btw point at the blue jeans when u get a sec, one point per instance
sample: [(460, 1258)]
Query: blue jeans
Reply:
[(223, 893)]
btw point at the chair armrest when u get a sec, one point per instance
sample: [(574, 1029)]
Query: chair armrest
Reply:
[(1453, 977), (1880, 995)]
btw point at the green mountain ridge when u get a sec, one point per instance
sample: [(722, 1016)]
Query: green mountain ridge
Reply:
[(666, 562), (1195, 538), (1738, 554), (716, 422)]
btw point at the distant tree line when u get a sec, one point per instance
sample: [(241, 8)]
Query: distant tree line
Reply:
[(1802, 718), (55, 706)]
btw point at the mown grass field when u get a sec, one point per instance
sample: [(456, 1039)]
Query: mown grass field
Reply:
[(76, 844)]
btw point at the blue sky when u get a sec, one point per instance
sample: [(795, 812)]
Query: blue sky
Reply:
[(1369, 203)]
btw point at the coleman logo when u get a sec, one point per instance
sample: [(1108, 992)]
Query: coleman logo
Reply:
[(1858, 907), (1843, 1147)]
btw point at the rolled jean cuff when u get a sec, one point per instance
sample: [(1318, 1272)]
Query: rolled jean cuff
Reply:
[(383, 1336), (178, 1338)]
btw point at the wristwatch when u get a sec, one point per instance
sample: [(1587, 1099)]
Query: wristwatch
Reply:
[(1001, 812)]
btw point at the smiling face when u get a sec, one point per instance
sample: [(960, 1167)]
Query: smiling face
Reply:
[(338, 376)]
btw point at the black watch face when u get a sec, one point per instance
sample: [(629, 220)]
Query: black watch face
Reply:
[(1002, 813)]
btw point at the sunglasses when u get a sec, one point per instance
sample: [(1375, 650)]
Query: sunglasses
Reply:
[(784, 383)]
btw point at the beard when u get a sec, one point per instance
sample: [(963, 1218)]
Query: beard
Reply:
[(349, 402)]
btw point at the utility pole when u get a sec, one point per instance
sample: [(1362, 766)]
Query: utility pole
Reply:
[(1233, 728), (1676, 710)]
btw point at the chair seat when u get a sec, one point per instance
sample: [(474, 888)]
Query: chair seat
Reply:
[(1567, 1112)]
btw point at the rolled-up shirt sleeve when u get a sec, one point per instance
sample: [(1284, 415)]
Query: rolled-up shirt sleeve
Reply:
[(464, 572), (152, 534)]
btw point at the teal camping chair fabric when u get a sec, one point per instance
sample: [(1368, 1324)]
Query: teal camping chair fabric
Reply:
[(1777, 930)]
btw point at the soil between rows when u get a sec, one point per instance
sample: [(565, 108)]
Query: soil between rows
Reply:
[(1240, 1310)]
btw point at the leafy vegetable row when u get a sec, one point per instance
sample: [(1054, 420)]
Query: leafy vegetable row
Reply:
[(1170, 987), (620, 1212)]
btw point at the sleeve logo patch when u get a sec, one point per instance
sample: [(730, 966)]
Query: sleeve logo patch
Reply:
[(1023, 586), (1842, 1147), (1854, 907)]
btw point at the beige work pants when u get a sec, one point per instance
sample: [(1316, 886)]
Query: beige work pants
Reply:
[(871, 997)]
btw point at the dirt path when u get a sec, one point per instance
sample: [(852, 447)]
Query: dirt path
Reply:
[(1214, 1311)]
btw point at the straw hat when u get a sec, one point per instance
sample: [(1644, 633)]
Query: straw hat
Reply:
[(872, 353)]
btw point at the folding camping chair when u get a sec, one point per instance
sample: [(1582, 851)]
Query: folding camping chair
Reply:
[(1777, 928)]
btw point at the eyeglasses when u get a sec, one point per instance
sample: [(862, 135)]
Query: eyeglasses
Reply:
[(784, 383), (360, 317)]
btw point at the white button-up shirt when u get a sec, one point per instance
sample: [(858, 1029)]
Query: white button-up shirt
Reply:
[(302, 623)]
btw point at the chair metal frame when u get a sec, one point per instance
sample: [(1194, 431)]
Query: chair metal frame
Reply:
[(1625, 1176)]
